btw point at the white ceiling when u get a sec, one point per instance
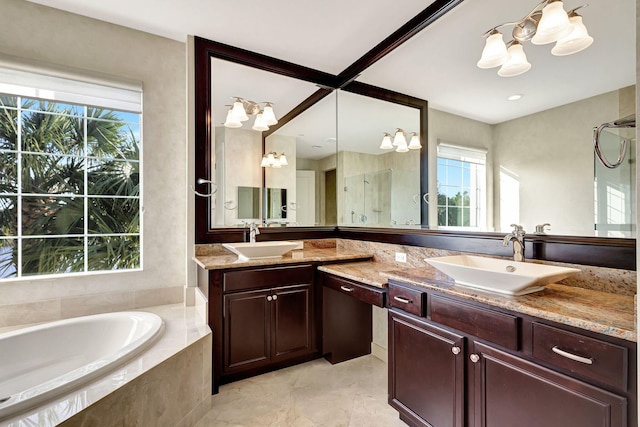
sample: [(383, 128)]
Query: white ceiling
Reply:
[(437, 65)]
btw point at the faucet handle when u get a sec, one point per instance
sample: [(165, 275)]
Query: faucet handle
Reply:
[(540, 228), (517, 228)]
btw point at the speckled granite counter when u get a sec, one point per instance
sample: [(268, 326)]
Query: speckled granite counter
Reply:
[(222, 260), (596, 311)]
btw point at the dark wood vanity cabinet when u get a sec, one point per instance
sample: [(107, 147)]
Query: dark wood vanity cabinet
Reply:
[(262, 319), (479, 366)]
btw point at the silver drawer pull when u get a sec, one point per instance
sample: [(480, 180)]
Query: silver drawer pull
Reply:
[(344, 288), (402, 300), (585, 360)]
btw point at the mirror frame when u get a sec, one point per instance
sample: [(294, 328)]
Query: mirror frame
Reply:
[(596, 251)]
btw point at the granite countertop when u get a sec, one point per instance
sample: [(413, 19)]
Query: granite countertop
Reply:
[(601, 312), (230, 260)]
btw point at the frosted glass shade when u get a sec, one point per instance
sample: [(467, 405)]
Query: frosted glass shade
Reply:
[(269, 116), (494, 52), (230, 122), (264, 163), (386, 142), (283, 160), (239, 114), (414, 144), (516, 63), (553, 25), (260, 125), (402, 148), (399, 139), (576, 41)]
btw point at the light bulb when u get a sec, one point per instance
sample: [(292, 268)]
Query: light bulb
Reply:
[(386, 142), (554, 24), (414, 144), (239, 114), (268, 115), (516, 63), (231, 122), (494, 52), (260, 124), (579, 39)]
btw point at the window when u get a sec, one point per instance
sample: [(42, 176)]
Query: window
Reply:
[(70, 176), (461, 187)]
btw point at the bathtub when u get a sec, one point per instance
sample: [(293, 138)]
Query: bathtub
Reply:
[(40, 362)]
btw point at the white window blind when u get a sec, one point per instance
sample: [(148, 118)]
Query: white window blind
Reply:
[(35, 80), (463, 154)]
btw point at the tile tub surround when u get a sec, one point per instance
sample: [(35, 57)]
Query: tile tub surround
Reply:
[(84, 300), (609, 280), (168, 384)]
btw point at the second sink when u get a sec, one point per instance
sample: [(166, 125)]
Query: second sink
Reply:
[(261, 250)]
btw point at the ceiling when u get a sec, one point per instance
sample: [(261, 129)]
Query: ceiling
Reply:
[(438, 64)]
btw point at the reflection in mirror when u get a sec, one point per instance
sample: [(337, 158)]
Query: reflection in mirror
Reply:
[(275, 202), (378, 186), (539, 158), (236, 152), (309, 143), (248, 203)]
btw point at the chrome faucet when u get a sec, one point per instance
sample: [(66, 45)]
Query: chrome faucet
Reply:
[(253, 230), (517, 237)]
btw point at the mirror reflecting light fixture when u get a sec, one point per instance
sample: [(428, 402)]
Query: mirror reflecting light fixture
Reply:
[(548, 22), (273, 160), (243, 108), (400, 141)]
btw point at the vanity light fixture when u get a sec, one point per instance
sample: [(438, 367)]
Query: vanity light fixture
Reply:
[(243, 108), (272, 160), (399, 141), (548, 22)]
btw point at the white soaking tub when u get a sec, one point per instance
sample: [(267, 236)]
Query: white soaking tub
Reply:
[(40, 362)]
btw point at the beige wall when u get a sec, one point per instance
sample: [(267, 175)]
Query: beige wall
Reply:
[(44, 34)]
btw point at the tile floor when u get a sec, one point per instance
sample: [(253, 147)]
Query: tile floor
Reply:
[(313, 394)]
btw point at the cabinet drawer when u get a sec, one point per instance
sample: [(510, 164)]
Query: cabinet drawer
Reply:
[(410, 300), (588, 357), (267, 277), (364, 293), (499, 328)]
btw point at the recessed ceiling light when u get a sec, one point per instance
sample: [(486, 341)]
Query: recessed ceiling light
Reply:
[(316, 146), (514, 97)]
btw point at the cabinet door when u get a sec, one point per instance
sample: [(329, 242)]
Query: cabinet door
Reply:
[(247, 331), (510, 391), (292, 321), (426, 372)]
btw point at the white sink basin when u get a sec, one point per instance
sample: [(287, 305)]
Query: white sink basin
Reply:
[(498, 275), (261, 250)]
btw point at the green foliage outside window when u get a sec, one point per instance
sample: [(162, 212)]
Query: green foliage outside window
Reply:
[(69, 188)]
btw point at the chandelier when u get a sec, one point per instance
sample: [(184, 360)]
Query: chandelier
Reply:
[(399, 141), (546, 23), (272, 160), (243, 108)]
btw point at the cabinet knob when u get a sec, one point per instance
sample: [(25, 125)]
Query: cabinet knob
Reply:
[(474, 357), (455, 350), (275, 297), (269, 298)]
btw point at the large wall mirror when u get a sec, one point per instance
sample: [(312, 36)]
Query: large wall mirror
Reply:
[(494, 161)]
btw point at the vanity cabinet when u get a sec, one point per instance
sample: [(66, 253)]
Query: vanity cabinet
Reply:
[(463, 363), (262, 319)]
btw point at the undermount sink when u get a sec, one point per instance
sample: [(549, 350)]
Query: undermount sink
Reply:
[(261, 250), (498, 275)]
